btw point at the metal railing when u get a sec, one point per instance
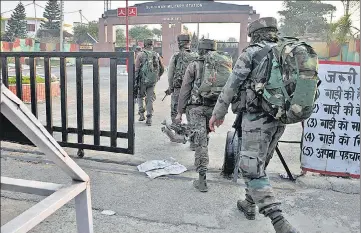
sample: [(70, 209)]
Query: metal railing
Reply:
[(80, 131), (21, 120)]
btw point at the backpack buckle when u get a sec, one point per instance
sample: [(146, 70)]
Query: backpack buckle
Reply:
[(259, 88)]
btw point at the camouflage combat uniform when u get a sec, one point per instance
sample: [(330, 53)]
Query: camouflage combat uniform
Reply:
[(147, 92), (260, 135), (174, 89), (200, 112)]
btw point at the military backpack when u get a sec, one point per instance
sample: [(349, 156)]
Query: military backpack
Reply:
[(216, 71), (287, 79), (182, 60), (149, 70)]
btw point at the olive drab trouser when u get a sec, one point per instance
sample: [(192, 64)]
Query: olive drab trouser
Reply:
[(147, 94), (174, 105), (199, 119), (260, 136)]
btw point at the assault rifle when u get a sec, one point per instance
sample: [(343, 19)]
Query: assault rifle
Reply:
[(167, 92), (136, 87), (179, 133), (237, 125)]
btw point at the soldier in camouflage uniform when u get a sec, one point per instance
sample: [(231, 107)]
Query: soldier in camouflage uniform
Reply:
[(137, 50), (176, 74), (200, 111), (260, 131), (147, 92)]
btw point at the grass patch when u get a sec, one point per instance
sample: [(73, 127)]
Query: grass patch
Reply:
[(26, 80)]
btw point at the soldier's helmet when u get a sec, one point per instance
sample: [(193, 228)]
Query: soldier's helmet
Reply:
[(183, 38), (138, 48), (266, 22), (207, 44), (148, 42)]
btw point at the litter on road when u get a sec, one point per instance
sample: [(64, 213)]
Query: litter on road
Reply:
[(156, 168)]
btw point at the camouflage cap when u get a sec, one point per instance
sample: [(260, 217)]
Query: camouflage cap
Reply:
[(207, 44), (266, 22), (148, 42), (183, 37)]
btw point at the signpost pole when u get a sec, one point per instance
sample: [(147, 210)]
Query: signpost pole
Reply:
[(126, 31)]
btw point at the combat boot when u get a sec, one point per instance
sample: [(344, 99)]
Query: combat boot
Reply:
[(248, 207), (201, 183), (149, 121), (141, 117), (281, 225)]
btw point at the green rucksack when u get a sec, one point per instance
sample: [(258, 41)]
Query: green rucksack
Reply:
[(216, 71), (183, 58), (288, 89), (149, 70)]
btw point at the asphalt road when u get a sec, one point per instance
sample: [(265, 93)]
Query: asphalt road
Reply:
[(314, 204)]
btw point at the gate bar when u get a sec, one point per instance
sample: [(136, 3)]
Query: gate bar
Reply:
[(96, 102), (19, 78), (33, 87), (48, 96), (79, 100), (4, 71), (113, 102), (131, 72), (63, 100)]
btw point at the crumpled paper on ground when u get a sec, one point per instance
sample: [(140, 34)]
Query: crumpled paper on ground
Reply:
[(156, 168)]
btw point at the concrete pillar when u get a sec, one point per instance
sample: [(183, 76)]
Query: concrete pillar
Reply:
[(101, 31), (110, 33), (243, 35), (104, 47), (169, 39)]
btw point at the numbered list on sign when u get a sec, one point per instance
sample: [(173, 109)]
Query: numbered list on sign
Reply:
[(331, 139)]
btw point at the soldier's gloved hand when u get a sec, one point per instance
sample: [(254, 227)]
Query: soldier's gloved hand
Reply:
[(178, 118), (168, 92), (214, 122)]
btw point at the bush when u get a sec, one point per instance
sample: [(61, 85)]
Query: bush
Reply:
[(26, 80)]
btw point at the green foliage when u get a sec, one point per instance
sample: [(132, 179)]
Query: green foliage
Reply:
[(194, 42), (120, 39), (93, 29), (52, 14), (81, 30), (157, 32), (342, 30), (140, 32), (302, 17), (16, 27), (26, 79)]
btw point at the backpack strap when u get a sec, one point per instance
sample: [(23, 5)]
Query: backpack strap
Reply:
[(257, 58)]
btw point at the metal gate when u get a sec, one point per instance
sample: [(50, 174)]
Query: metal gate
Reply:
[(80, 131)]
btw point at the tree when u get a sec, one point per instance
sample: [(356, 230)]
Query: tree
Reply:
[(80, 30), (157, 32), (139, 32), (52, 14), (302, 17), (342, 30), (232, 39), (185, 28), (194, 42), (120, 38), (16, 27), (93, 29)]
